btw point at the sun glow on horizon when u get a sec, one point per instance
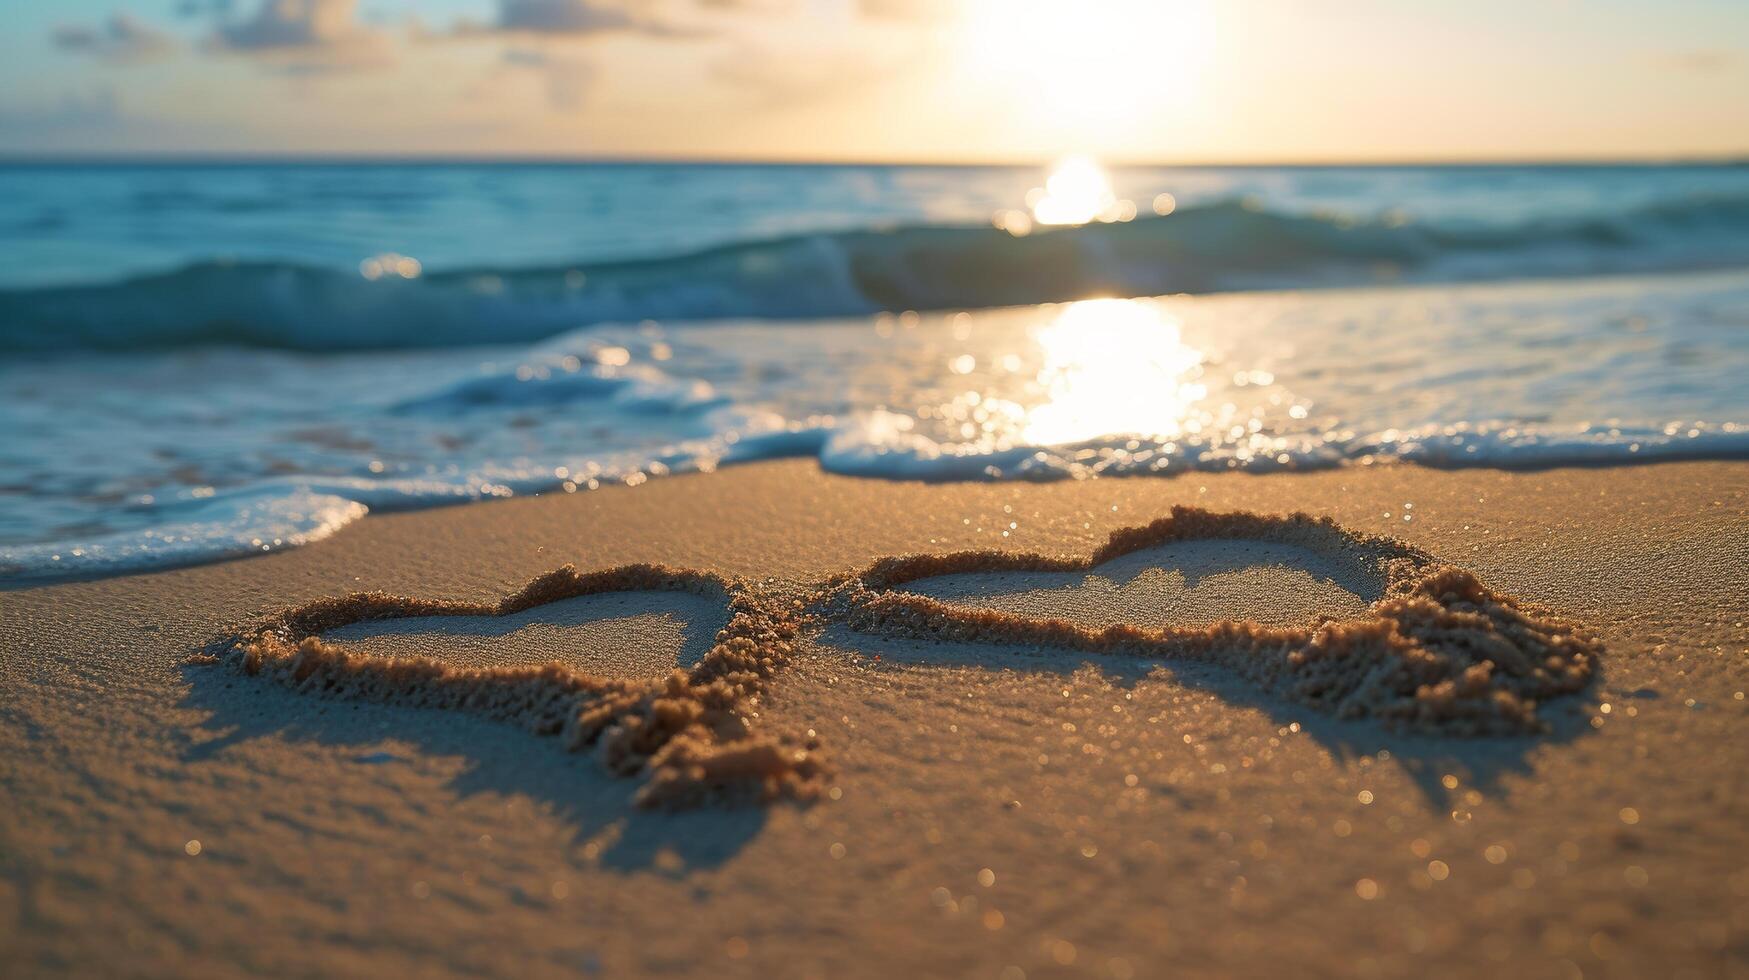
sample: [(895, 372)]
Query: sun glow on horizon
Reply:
[(1077, 192), (1087, 72)]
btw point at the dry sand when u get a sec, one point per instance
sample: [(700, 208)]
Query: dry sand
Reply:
[(619, 634), (994, 811)]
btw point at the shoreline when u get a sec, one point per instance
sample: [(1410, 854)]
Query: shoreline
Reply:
[(810, 458), (990, 807)]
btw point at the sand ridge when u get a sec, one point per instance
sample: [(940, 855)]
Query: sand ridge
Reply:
[(1439, 651)]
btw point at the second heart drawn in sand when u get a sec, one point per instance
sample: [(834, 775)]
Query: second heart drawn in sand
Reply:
[(1437, 652)]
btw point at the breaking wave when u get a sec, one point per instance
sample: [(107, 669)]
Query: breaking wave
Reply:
[(1220, 246)]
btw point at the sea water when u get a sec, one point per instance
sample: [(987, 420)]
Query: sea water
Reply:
[(199, 362)]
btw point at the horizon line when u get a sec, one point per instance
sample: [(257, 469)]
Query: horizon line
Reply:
[(201, 158)]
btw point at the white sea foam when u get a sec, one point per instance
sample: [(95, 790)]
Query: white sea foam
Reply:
[(198, 530)]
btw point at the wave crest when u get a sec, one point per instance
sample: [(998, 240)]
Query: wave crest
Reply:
[(1224, 245)]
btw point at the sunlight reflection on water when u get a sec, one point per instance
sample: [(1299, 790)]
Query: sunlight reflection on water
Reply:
[(1094, 384), (1113, 367)]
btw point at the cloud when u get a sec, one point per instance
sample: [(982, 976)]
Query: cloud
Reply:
[(563, 16), (306, 37), (579, 19), (120, 40), (293, 36), (570, 19), (539, 42)]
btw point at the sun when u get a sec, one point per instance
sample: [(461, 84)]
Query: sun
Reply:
[(1083, 71)]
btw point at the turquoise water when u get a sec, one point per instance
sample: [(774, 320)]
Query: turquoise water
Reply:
[(198, 362)]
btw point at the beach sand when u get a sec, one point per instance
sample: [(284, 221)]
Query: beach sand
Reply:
[(991, 811)]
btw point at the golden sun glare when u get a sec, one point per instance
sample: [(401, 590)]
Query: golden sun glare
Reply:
[(1081, 71)]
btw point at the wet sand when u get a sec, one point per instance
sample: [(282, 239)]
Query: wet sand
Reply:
[(990, 811)]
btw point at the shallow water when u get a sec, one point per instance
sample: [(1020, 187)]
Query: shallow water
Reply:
[(125, 460), (263, 388)]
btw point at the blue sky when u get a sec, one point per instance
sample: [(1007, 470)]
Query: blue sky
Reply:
[(1161, 80)]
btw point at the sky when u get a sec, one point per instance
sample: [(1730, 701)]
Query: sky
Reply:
[(1144, 81)]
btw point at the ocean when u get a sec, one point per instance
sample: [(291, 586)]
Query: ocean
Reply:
[(201, 361)]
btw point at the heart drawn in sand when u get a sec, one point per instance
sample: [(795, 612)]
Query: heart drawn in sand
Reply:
[(1437, 652), (689, 732)]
